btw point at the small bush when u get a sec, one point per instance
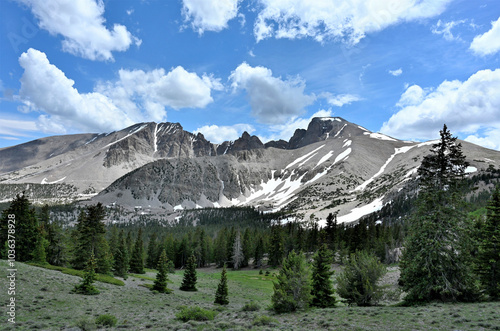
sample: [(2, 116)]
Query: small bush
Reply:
[(261, 272), (86, 324), (195, 314), (264, 320), (106, 320), (251, 306), (357, 284), (267, 273)]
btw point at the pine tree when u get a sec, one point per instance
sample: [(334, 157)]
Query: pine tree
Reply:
[(222, 293), (436, 262), (220, 247), (488, 261), (247, 248), (238, 256), (121, 258), (293, 289), (259, 253), (276, 250), (151, 259), (137, 258), (39, 254), (86, 286), (26, 228), (189, 280), (322, 285), (160, 283)]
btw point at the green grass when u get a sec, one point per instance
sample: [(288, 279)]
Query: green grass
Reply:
[(73, 272), (44, 302)]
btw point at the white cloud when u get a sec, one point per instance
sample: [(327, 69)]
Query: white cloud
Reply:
[(210, 15), (16, 128), (346, 20), (273, 100), (466, 107), (137, 96), (218, 134), (396, 72), (340, 99), (286, 131), (82, 25), (489, 42), (444, 28)]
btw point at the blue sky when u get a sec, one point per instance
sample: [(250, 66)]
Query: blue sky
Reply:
[(263, 66)]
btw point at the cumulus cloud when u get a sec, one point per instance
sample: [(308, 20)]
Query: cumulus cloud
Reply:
[(273, 100), (82, 25), (285, 131), (209, 15), (489, 42), (137, 96), (218, 134), (346, 20), (340, 99), (396, 72), (467, 107)]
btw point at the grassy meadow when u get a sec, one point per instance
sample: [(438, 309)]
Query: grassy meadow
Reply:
[(45, 302)]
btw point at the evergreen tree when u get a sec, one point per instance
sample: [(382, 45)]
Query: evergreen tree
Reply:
[(121, 258), (89, 236), (488, 261), (259, 253), (152, 255), (331, 229), (238, 256), (86, 286), (220, 247), (247, 248), (39, 254), (436, 262), (160, 283), (222, 293), (276, 250), (293, 289), (137, 258), (189, 280), (322, 285), (22, 216)]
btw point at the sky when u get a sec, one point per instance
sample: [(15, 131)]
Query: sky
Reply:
[(222, 67)]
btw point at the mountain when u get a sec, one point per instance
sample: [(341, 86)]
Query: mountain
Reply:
[(333, 165)]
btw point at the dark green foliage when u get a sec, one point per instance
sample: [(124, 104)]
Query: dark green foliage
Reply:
[(436, 263), (89, 236), (121, 257), (106, 320), (25, 229), (160, 283), (55, 249), (251, 306), (293, 289), (190, 278), (137, 258), (265, 320), (259, 253), (247, 248), (322, 285), (86, 286), (357, 284), (276, 250), (39, 254), (221, 294), (195, 314), (488, 261)]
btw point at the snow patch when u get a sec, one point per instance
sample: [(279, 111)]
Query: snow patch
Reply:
[(325, 158), (340, 131), (347, 143), (379, 136), (44, 181), (359, 212), (343, 155), (178, 207), (305, 157), (470, 169)]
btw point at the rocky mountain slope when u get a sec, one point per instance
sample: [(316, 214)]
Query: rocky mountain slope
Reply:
[(334, 165)]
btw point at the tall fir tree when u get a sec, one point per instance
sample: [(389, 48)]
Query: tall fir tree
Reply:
[(247, 248), (322, 284), (293, 289), (436, 263), (26, 231), (160, 283), (190, 277), (220, 246), (152, 254), (221, 295), (137, 258), (488, 261), (121, 256), (276, 249)]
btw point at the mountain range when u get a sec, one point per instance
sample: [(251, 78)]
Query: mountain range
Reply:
[(332, 166)]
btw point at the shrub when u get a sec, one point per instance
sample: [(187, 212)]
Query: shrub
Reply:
[(357, 284), (106, 320), (251, 306), (195, 314), (264, 320), (86, 324)]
